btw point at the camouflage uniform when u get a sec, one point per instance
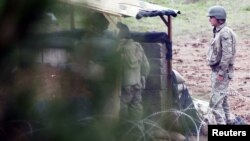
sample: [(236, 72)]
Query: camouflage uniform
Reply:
[(220, 57), (134, 71)]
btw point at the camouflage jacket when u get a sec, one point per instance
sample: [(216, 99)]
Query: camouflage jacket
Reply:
[(221, 53), (135, 64)]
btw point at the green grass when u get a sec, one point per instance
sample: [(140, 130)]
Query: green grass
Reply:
[(193, 20)]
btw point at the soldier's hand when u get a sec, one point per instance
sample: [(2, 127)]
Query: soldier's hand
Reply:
[(143, 82), (220, 78)]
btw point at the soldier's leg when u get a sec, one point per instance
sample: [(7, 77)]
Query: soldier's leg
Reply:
[(125, 99), (124, 125), (135, 107), (225, 105), (219, 89), (218, 111), (136, 111)]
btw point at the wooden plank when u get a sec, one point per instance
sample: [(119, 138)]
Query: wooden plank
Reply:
[(118, 7)]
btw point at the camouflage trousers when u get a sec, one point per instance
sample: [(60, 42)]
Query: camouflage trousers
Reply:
[(131, 103), (218, 100)]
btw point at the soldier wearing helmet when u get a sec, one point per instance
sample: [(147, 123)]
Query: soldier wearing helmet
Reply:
[(220, 57)]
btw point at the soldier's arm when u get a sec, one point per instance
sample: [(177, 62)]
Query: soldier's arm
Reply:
[(227, 52), (145, 68)]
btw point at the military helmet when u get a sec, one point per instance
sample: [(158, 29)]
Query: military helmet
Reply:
[(96, 20), (124, 30), (218, 12)]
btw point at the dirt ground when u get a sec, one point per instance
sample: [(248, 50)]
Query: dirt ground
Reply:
[(189, 58)]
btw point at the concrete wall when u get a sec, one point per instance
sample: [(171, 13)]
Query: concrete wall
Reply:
[(156, 81)]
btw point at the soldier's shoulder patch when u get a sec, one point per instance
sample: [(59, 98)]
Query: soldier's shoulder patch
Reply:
[(225, 35), (138, 44)]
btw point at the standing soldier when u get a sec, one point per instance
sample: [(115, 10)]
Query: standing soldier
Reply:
[(220, 57), (135, 68)]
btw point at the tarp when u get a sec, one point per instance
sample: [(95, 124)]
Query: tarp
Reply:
[(125, 8)]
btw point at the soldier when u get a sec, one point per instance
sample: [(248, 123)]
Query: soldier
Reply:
[(220, 57), (135, 68)]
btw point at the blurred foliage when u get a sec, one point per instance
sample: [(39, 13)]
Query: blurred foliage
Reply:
[(247, 8), (48, 103)]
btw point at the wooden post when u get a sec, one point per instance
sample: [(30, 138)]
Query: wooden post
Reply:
[(168, 97), (170, 94), (170, 28)]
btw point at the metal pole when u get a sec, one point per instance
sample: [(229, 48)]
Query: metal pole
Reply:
[(170, 28), (169, 100), (168, 97)]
